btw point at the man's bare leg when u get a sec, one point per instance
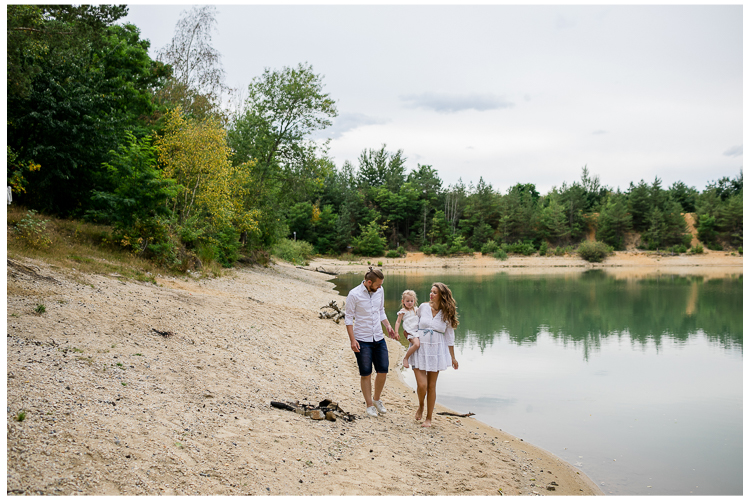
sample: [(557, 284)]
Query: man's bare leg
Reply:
[(366, 385), (379, 384)]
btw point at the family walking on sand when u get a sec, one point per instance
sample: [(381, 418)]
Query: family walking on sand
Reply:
[(429, 329)]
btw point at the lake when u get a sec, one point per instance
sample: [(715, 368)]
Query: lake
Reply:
[(637, 381)]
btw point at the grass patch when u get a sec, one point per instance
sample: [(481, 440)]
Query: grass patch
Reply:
[(40, 309), (21, 416), (78, 245), (296, 252)]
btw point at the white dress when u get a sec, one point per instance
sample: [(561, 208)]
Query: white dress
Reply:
[(410, 322), (435, 336)]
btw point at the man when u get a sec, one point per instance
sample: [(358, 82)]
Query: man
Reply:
[(365, 312)]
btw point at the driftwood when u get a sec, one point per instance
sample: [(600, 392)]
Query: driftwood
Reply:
[(455, 414), (165, 333), (326, 409), (319, 270), (337, 315)]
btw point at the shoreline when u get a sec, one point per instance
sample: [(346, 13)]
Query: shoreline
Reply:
[(131, 388), (626, 264)]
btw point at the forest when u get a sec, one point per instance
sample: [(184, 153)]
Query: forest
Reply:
[(185, 169)]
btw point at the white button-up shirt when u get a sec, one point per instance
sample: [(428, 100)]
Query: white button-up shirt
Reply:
[(368, 309)]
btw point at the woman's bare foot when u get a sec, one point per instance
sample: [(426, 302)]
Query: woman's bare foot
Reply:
[(427, 423), (418, 415), (406, 362)]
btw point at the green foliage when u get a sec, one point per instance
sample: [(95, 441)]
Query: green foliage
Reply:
[(271, 136), (21, 416), (739, 249), (677, 249), (697, 249), (94, 83), (370, 243), (666, 227), (707, 229), (296, 252), (593, 251), (133, 188), (399, 252), (614, 221), (32, 230), (490, 247), (500, 254), (40, 309), (458, 246), (543, 249), (519, 247)]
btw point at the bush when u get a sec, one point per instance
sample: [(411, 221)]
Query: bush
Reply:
[(399, 252), (32, 230), (518, 247), (489, 248), (687, 240), (593, 251), (427, 250), (543, 248), (296, 252), (677, 249), (697, 249), (500, 254), (739, 249), (370, 243), (440, 249), (459, 246)]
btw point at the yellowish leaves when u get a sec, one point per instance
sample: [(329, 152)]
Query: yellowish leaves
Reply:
[(195, 153), (315, 213)]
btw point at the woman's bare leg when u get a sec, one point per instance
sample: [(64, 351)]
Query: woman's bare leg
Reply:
[(421, 377), (431, 396)]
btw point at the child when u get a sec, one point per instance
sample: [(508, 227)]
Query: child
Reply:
[(408, 314)]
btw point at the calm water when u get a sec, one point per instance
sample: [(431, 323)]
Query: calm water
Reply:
[(637, 382)]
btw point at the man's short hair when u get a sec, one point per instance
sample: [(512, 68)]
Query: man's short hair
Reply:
[(374, 274)]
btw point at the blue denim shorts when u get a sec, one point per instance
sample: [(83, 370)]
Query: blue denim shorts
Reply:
[(372, 353)]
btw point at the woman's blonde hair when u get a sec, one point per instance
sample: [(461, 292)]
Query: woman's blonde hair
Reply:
[(409, 293), (446, 304)]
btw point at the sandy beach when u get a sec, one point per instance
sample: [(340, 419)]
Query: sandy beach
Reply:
[(132, 388)]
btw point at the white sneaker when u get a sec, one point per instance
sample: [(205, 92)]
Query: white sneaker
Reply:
[(379, 406), (371, 411)]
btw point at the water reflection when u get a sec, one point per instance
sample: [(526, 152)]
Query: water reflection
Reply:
[(583, 309), (636, 380)]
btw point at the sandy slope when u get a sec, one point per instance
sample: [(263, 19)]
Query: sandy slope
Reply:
[(113, 407)]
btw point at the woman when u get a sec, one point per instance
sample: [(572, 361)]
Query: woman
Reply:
[(437, 319)]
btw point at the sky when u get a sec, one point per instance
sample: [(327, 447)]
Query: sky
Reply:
[(511, 94)]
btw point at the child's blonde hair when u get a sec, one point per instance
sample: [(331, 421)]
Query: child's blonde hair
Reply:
[(409, 293)]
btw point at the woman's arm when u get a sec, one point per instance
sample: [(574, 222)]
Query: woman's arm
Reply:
[(453, 358)]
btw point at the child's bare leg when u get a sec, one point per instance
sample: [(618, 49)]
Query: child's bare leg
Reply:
[(412, 348)]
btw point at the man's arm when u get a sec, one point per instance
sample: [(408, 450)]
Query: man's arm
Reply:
[(384, 318), (349, 321)]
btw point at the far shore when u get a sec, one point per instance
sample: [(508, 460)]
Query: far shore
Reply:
[(630, 264)]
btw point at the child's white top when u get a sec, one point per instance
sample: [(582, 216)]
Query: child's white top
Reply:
[(410, 320)]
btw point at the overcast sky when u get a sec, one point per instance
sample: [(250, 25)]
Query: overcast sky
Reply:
[(508, 93)]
